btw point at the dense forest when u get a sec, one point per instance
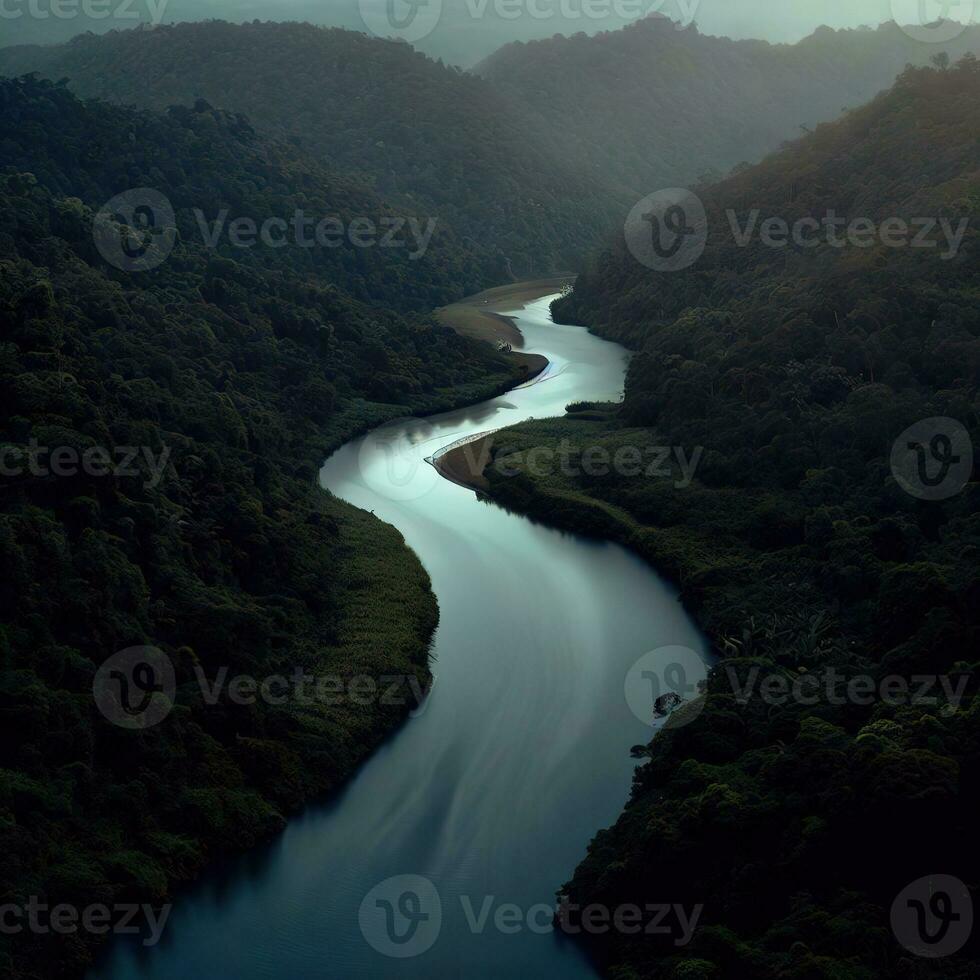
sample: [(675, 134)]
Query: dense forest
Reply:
[(459, 37), (791, 371), (240, 369), (532, 158), (652, 106), (796, 369), (439, 142)]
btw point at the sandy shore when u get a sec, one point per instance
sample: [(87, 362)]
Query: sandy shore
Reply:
[(465, 464), (480, 316)]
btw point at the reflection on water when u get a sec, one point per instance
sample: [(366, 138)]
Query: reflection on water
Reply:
[(494, 791)]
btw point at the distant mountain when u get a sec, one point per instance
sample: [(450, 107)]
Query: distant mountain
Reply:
[(651, 106), (437, 142), (462, 32), (533, 160)]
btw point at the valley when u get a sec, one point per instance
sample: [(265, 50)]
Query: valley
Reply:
[(509, 521)]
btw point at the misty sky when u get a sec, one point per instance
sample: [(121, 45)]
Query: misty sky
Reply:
[(774, 20), (789, 20), (466, 31)]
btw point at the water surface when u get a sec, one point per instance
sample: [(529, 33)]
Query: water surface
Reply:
[(493, 791)]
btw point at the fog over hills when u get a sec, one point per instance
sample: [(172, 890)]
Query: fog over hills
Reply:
[(259, 270), (464, 32), (651, 106), (539, 152)]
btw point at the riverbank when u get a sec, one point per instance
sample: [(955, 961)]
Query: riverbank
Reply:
[(481, 317), (383, 617), (465, 464), (441, 797), (765, 590)]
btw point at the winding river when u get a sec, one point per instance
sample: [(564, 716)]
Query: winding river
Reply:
[(490, 793)]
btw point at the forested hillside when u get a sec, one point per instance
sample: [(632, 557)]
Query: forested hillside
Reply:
[(534, 159), (230, 372), (652, 106), (799, 370), (465, 33), (439, 142)]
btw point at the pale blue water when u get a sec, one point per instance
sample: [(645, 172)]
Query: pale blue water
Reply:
[(521, 753)]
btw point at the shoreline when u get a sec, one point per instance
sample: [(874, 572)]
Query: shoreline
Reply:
[(220, 853), (466, 464), (484, 316), (488, 316)]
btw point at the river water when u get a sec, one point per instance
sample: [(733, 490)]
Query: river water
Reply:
[(490, 793)]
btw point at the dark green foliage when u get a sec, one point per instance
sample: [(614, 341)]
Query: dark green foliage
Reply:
[(248, 367), (439, 142), (652, 106), (797, 824)]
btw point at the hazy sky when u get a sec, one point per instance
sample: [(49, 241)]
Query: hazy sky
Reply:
[(465, 31), (789, 20), (775, 20)]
